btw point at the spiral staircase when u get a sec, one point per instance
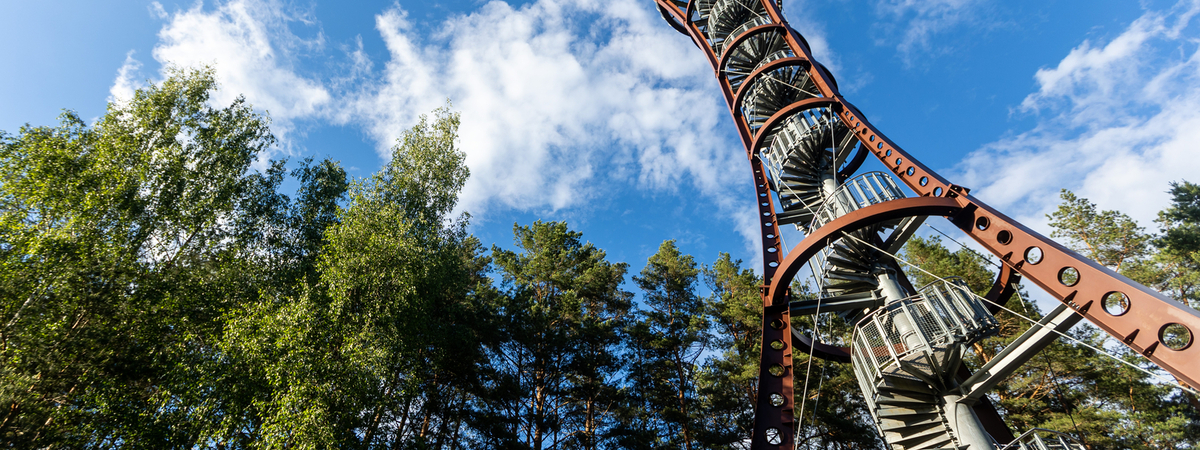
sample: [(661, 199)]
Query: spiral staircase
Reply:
[(908, 344)]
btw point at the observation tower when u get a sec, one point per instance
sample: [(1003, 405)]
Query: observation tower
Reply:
[(805, 143)]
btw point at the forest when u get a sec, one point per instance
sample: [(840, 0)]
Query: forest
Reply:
[(159, 291)]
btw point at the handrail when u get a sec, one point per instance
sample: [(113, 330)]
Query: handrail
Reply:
[(1030, 440), (859, 192), (941, 315), (856, 193)]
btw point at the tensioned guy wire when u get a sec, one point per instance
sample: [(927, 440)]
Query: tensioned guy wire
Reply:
[(812, 344), (960, 244)]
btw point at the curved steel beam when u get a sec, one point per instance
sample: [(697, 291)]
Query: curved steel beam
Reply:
[(860, 156), (674, 24), (740, 96), (1006, 284), (1084, 285), (731, 45), (697, 37), (824, 236), (1076, 281), (783, 114), (804, 343)]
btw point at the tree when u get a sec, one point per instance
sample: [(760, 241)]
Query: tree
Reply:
[(727, 384), (376, 352), (564, 308), (1166, 262), (1107, 237), (667, 340), (124, 244), (1175, 267)]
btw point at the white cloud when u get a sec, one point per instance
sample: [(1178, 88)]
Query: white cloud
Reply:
[(127, 80), (254, 53), (564, 101), (156, 9), (1117, 121)]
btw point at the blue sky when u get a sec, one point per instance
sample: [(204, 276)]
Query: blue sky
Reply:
[(598, 113)]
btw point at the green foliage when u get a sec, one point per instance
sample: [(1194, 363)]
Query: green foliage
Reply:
[(388, 322), (666, 343), (1167, 262), (123, 244), (1110, 238), (556, 358), (1069, 387), (1175, 268), (727, 384)]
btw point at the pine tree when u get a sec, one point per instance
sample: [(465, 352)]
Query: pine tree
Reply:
[(667, 341), (557, 350)]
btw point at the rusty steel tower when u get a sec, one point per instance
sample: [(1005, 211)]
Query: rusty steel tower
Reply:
[(805, 143)]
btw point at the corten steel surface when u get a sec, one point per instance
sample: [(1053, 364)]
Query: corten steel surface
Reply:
[(1140, 327)]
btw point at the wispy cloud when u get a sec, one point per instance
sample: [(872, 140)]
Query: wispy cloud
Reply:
[(563, 102), (254, 53), (916, 22), (128, 80), (1117, 121)]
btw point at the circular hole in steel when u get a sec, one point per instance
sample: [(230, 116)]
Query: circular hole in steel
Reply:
[(899, 161), (924, 181), (778, 344), (777, 324), (767, 214), (879, 146), (982, 223), (888, 152), (774, 437), (773, 264), (766, 204), (937, 192), (1004, 237), (772, 249), (1175, 336), (910, 171), (872, 138), (1033, 255), (770, 236), (1115, 303), (776, 370), (777, 399), (1068, 276), (766, 224), (764, 194)]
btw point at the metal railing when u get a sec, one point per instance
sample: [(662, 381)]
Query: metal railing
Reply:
[(919, 331), (1043, 439), (859, 192), (725, 17)]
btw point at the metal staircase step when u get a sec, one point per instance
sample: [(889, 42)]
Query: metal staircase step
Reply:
[(927, 435), (932, 444), (904, 398), (892, 383), (915, 420), (900, 412)]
